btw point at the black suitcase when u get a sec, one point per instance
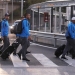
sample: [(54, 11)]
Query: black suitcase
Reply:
[(59, 50), (6, 53), (0, 49)]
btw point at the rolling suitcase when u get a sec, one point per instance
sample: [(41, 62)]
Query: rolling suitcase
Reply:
[(0, 49), (59, 51), (6, 53)]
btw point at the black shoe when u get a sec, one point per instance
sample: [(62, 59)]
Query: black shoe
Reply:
[(25, 59), (64, 58), (28, 52), (73, 57), (0, 52), (14, 53), (19, 56)]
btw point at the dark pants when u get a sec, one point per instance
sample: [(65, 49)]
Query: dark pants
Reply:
[(23, 41), (28, 44), (70, 44), (17, 40), (6, 43)]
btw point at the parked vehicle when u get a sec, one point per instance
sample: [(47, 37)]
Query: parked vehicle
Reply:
[(12, 26)]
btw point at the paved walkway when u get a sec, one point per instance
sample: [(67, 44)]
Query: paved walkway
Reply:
[(42, 62)]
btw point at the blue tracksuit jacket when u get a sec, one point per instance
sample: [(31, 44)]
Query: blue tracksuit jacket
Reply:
[(4, 28), (26, 27), (71, 30)]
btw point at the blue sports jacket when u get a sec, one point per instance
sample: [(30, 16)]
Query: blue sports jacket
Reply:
[(4, 28), (26, 27), (71, 30)]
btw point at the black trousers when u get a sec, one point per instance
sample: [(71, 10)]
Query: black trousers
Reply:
[(6, 43), (24, 43), (17, 40), (70, 44)]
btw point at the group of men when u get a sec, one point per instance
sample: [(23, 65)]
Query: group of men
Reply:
[(22, 38)]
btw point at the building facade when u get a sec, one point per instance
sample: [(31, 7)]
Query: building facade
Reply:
[(3, 9), (59, 15)]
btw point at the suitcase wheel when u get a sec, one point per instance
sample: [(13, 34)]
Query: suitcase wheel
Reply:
[(4, 58)]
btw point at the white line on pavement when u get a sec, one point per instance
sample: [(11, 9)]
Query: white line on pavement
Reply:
[(44, 60), (70, 61), (66, 73), (17, 62)]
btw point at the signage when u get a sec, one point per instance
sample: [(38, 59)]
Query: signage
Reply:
[(45, 16)]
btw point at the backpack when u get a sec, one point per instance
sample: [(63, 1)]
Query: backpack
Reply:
[(18, 28)]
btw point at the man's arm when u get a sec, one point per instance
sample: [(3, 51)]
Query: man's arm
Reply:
[(25, 26), (71, 30)]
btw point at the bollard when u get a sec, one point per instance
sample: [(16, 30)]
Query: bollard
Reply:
[(34, 38), (55, 41)]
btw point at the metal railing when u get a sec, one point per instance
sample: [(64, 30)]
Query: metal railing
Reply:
[(47, 35)]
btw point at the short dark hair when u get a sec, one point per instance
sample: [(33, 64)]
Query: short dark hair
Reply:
[(26, 14), (7, 14)]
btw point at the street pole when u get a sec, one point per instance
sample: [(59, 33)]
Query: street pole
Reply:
[(55, 25), (33, 19), (50, 20), (21, 8), (38, 19), (71, 11), (45, 26), (60, 19), (12, 11)]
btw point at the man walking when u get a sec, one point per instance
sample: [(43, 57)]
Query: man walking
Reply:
[(5, 32), (24, 37), (28, 43), (70, 36)]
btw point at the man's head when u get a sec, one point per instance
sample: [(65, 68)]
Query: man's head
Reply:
[(27, 15), (7, 16), (73, 20)]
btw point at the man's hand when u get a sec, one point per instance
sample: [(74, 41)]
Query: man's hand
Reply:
[(29, 38)]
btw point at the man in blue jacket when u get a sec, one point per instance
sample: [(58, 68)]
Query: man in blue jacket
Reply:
[(70, 36), (24, 37), (5, 32), (17, 35)]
